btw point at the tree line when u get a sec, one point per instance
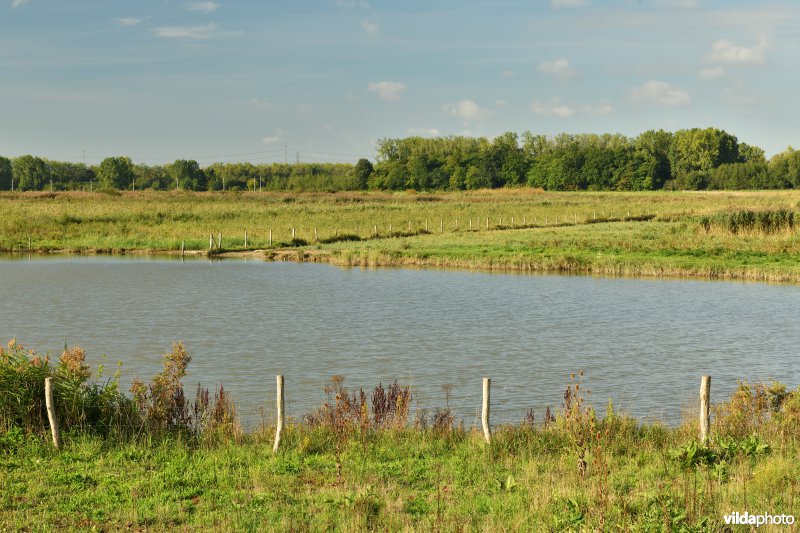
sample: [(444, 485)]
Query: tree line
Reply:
[(695, 158)]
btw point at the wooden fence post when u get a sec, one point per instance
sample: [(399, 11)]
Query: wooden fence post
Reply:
[(270, 238), (487, 432), (183, 247), (705, 407), (219, 241), (245, 238), (210, 241), (279, 427), (51, 412)]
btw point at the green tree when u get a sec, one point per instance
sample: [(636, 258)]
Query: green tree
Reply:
[(6, 174), (30, 173), (701, 150), (188, 175), (362, 171), (116, 173)]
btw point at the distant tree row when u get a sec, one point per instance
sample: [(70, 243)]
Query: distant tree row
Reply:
[(29, 173), (686, 159)]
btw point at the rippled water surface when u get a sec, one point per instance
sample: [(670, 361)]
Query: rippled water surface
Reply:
[(642, 343)]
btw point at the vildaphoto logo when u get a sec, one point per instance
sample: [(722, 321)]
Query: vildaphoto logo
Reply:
[(747, 519)]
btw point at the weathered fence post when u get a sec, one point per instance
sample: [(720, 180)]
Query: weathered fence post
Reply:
[(487, 432), (487, 222), (245, 238), (51, 412), (270, 238), (426, 224), (315, 234), (219, 241), (183, 247), (705, 407), (279, 426), (293, 234)]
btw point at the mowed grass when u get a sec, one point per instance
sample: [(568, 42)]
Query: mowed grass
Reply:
[(654, 233)]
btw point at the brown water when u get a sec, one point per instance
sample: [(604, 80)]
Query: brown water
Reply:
[(642, 343)]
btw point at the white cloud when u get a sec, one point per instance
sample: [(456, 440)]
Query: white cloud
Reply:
[(727, 52), (507, 73), (16, 3), (424, 132), (270, 140), (206, 7), (677, 3), (193, 32), (553, 108), (661, 93), (260, 104), (351, 4), (370, 27), (559, 68), (711, 73), (389, 91), (129, 21), (500, 103), (556, 107), (467, 109), (568, 3)]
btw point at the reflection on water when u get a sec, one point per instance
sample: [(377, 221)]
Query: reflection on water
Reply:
[(642, 343)]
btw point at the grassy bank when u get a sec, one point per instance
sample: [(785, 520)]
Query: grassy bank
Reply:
[(659, 234), (362, 461)]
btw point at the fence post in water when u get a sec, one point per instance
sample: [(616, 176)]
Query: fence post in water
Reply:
[(705, 407), (279, 426), (487, 432), (51, 412)]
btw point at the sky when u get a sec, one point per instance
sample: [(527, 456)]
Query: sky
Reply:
[(266, 81)]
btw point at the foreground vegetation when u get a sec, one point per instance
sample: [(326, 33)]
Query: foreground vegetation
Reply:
[(154, 460), (735, 235)]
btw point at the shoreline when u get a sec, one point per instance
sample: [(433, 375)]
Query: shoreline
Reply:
[(524, 265)]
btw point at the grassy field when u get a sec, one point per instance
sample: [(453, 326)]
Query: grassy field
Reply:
[(636, 478), (153, 459), (658, 234)]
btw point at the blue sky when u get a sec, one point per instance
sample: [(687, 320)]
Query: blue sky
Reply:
[(229, 80)]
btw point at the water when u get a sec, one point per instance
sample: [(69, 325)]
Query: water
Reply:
[(642, 343)]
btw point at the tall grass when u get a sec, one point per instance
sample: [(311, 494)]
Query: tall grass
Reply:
[(359, 463), (765, 222)]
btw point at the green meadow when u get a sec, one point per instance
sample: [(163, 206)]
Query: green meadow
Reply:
[(648, 234)]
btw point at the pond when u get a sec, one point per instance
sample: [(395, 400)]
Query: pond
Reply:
[(642, 343)]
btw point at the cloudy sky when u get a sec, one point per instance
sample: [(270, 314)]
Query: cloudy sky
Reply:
[(229, 80)]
